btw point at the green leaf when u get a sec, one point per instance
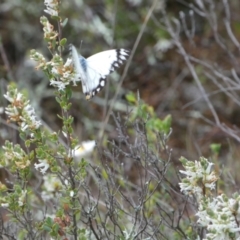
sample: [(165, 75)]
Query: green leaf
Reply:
[(63, 42), (27, 143), (57, 18), (22, 234), (215, 147), (64, 23), (22, 136), (68, 92), (104, 174), (47, 228), (49, 221), (131, 98), (167, 122), (31, 155)]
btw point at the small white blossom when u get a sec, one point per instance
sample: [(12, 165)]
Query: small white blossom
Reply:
[(52, 7), (66, 75), (71, 193), (43, 166), (68, 62), (51, 187), (51, 183), (8, 97), (24, 126), (51, 12), (4, 205), (22, 198), (60, 85), (54, 70), (64, 134), (19, 96), (84, 149), (163, 45)]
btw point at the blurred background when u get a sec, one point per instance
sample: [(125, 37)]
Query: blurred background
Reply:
[(188, 52)]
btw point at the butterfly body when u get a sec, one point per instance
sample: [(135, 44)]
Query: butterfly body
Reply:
[(83, 63), (93, 70)]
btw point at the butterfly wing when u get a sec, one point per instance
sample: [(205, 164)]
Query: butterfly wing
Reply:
[(94, 70), (81, 69)]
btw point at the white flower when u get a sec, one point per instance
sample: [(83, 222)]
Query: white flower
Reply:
[(21, 199), (4, 205), (68, 62), (71, 193), (52, 7), (51, 187), (64, 134), (24, 126), (84, 149), (10, 99), (66, 74), (58, 84), (51, 183), (54, 70), (51, 12), (43, 165), (163, 45)]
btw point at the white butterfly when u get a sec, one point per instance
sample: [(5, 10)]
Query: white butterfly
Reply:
[(93, 70)]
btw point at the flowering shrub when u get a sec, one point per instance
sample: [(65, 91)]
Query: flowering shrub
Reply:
[(219, 215), (62, 176), (55, 190)]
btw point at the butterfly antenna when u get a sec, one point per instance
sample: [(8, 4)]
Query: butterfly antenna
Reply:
[(81, 45)]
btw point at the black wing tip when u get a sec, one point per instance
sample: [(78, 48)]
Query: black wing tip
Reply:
[(122, 56), (96, 90), (123, 51)]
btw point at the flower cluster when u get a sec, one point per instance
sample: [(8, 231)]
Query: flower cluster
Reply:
[(14, 155), (63, 73), (52, 7), (40, 59), (199, 177), (48, 29), (20, 111), (60, 74), (43, 149), (220, 216), (52, 186)]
